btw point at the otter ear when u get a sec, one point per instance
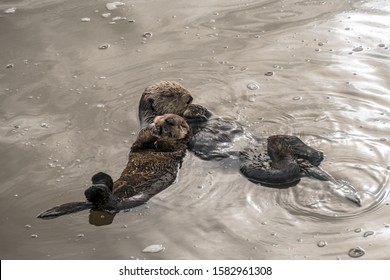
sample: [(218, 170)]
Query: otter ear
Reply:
[(102, 178)]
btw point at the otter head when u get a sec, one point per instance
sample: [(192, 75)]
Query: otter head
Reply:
[(170, 126), (163, 98)]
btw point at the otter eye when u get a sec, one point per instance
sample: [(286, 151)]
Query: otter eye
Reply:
[(168, 94)]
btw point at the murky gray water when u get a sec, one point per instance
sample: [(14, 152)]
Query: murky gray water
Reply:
[(69, 109)]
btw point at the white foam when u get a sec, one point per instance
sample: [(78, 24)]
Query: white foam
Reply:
[(113, 5), (153, 248), (10, 10)]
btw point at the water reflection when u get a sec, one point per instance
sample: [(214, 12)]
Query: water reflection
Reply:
[(100, 218)]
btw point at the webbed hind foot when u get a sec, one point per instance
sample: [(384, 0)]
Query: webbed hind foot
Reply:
[(287, 176), (301, 150), (100, 193)]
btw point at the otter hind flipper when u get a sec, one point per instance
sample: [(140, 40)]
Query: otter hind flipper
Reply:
[(277, 168), (341, 187), (102, 178), (281, 178), (301, 150), (64, 209), (101, 197)]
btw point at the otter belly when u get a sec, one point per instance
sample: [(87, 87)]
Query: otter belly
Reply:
[(143, 169)]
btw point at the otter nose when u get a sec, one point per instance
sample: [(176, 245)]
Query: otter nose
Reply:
[(190, 98), (170, 121)]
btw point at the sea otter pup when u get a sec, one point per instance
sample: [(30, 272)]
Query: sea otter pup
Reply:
[(154, 161), (283, 161)]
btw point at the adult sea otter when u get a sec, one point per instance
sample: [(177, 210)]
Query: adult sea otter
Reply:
[(278, 161)]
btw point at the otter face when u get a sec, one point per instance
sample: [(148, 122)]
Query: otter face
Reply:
[(168, 97), (170, 126)]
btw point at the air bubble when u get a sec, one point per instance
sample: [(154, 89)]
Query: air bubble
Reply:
[(104, 46), (44, 125), (269, 73), (296, 98), (147, 35), (358, 49), (11, 65), (321, 243), (85, 19), (252, 86), (368, 233), (356, 252)]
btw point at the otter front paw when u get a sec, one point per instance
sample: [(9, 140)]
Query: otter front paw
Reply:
[(197, 112)]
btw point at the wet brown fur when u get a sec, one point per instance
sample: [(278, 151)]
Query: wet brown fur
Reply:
[(154, 161), (163, 98), (155, 155)]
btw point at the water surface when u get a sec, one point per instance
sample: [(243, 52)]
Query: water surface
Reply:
[(314, 69)]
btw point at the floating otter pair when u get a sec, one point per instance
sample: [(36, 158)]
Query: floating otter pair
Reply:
[(154, 161), (159, 148), (281, 164)]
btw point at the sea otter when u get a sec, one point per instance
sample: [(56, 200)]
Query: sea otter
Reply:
[(163, 98), (154, 161), (278, 161), (214, 136)]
